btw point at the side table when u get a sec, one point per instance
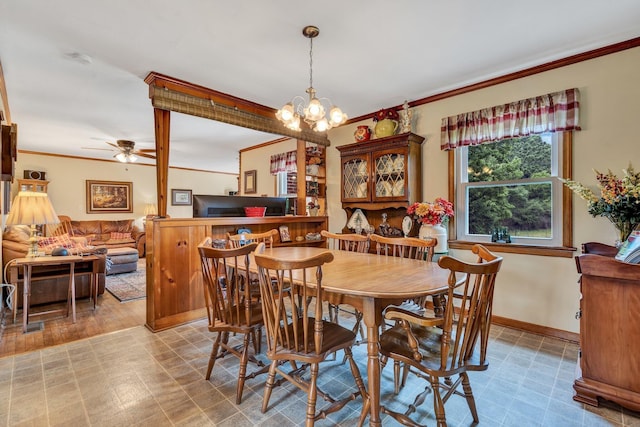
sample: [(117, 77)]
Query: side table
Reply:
[(27, 265)]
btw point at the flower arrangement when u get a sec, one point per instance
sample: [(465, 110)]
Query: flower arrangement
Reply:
[(386, 113), (432, 213), (619, 199), (312, 205)]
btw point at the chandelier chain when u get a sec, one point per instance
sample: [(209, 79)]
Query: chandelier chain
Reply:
[(311, 62)]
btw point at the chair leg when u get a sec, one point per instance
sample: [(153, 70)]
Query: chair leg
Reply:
[(268, 387), (244, 359), (312, 396), (214, 355), (405, 375), (468, 394), (438, 403), (396, 377)]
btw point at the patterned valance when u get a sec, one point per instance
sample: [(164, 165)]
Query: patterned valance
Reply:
[(553, 112), (284, 162)]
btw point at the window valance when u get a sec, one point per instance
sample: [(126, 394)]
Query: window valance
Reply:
[(553, 112), (283, 162)]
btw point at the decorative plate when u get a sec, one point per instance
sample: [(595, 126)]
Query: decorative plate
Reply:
[(407, 225)]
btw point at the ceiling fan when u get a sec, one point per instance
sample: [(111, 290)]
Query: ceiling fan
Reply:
[(127, 152)]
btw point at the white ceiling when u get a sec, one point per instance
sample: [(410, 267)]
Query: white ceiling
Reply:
[(370, 54)]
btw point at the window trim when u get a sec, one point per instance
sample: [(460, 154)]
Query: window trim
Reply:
[(565, 251)]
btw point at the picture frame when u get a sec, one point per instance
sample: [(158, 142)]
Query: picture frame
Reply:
[(109, 196), (250, 182), (285, 236), (181, 197)]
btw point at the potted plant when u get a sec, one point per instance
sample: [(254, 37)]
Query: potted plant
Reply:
[(431, 216), (619, 199)]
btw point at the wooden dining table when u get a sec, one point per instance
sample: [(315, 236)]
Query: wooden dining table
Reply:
[(369, 283)]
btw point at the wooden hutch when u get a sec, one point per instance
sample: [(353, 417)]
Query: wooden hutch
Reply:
[(383, 175)]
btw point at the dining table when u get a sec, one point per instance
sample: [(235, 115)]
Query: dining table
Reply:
[(370, 283)]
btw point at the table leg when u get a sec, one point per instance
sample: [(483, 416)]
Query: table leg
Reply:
[(372, 320), (72, 283), (26, 291)]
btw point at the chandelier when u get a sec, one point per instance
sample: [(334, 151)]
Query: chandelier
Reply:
[(313, 113)]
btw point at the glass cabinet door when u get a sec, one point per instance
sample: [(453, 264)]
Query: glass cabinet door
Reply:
[(355, 179), (389, 175)]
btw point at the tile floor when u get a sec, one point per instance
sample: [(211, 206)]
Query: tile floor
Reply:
[(138, 378)]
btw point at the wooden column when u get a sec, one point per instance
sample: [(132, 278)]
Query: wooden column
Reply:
[(162, 120)]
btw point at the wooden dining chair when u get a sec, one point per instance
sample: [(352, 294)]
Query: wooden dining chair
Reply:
[(237, 240), (231, 307), (405, 247), (439, 348), (63, 227), (291, 295), (353, 243)]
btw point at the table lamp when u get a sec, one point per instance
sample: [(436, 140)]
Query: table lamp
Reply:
[(32, 208)]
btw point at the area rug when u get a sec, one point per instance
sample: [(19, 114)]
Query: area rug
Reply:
[(128, 286)]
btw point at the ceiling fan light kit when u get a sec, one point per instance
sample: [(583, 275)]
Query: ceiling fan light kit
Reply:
[(127, 152), (313, 113)]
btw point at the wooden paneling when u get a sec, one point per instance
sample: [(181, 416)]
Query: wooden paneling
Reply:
[(174, 280)]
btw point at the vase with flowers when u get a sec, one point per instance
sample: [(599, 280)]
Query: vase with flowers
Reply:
[(619, 200), (386, 122), (432, 217)]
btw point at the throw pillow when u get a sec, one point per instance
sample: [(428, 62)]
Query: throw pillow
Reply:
[(120, 236), (48, 243)]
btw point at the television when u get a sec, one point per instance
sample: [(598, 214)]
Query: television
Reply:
[(210, 206)]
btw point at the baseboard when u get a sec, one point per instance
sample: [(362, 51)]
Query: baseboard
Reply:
[(531, 328), (536, 329)]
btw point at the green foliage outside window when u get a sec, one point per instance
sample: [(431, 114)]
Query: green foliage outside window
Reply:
[(503, 195)]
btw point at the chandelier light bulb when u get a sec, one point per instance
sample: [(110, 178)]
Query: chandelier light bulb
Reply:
[(322, 125), (313, 113), (315, 110), (285, 113), (337, 117), (294, 123), (121, 157), (132, 158)]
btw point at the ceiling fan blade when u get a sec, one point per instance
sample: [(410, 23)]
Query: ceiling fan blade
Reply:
[(113, 145), (148, 156), (146, 150), (93, 148)]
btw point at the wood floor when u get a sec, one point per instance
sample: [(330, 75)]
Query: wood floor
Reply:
[(110, 315)]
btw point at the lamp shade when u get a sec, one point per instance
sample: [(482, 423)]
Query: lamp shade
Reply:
[(31, 208), (150, 209)]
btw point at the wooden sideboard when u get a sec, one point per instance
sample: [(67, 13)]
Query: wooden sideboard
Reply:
[(174, 279), (609, 329)]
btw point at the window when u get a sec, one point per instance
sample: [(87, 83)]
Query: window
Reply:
[(508, 191)]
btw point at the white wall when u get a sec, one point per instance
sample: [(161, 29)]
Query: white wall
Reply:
[(535, 289), (260, 160), (67, 186)]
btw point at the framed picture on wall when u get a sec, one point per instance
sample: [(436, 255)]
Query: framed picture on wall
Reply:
[(109, 196), (180, 197), (250, 182)]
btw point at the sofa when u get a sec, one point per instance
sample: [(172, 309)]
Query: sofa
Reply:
[(111, 234), (50, 284)]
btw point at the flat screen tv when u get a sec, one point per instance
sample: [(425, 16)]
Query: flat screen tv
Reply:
[(209, 206)]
